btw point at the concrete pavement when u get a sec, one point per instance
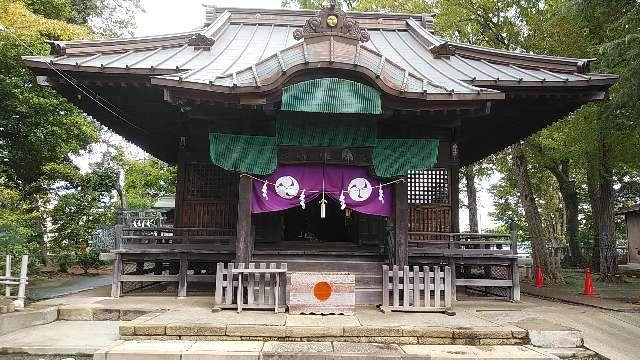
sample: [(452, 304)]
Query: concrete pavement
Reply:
[(610, 333), (61, 337), (62, 287)]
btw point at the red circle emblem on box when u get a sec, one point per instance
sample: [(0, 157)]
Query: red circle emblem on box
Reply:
[(322, 291)]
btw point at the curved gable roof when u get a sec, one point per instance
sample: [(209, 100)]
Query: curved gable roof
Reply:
[(252, 50)]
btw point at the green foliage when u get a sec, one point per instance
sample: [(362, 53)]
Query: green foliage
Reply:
[(146, 180), (39, 129), (303, 4), (65, 260), (80, 209), (108, 18), (16, 229), (51, 9), (89, 259), (396, 6)]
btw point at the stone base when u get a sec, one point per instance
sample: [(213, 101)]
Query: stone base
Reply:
[(321, 350), (297, 329)]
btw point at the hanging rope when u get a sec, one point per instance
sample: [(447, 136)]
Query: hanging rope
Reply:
[(317, 191)]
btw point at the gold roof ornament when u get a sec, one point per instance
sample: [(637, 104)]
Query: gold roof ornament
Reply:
[(332, 20)]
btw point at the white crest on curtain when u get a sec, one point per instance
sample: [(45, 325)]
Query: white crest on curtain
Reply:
[(359, 189), (287, 187)]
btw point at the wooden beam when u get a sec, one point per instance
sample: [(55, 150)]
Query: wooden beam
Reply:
[(244, 239), (401, 221)]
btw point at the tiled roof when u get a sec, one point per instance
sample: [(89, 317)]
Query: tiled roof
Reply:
[(244, 51)]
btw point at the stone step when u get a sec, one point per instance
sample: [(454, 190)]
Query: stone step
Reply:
[(547, 334), (355, 265), (205, 350), (368, 296)]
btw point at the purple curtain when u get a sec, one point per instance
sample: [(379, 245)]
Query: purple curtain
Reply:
[(349, 185)]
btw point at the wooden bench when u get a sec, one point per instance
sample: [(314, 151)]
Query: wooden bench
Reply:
[(265, 287), (21, 281)]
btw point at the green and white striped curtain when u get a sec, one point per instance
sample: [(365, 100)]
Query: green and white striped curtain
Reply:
[(331, 95)]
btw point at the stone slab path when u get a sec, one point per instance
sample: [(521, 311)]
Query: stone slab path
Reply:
[(255, 350), (61, 337)]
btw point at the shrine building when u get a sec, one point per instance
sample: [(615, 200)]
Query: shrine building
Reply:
[(329, 140)]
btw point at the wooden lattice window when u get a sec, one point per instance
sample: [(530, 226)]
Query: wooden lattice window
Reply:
[(429, 201), (210, 182), (428, 187)]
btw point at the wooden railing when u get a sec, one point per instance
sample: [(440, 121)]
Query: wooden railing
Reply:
[(174, 239), (462, 244), (465, 250), (416, 288)]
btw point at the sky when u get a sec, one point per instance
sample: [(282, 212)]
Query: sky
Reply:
[(170, 16)]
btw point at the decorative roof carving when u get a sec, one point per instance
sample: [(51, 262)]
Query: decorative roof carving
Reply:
[(201, 42), (443, 49), (332, 21)]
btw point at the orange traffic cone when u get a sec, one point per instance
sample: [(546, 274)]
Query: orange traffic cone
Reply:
[(539, 279), (588, 283)]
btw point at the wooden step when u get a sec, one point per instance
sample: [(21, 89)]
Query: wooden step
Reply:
[(355, 265)]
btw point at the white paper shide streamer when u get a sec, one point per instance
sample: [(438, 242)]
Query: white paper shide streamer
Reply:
[(264, 191), (380, 194), (343, 204), (302, 203)]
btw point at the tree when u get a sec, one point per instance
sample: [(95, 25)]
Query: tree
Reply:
[(604, 138), (38, 128), (395, 6), (107, 18), (549, 150), (138, 183), (146, 180), (535, 228), (316, 4), (470, 184), (82, 204)]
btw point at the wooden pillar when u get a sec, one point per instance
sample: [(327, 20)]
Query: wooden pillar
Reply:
[(180, 182), (182, 276), (515, 270), (116, 284), (7, 274), (401, 222), (244, 239), (455, 198)]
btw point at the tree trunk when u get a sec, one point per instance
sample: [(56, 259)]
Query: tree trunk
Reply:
[(40, 227), (600, 185), (595, 247), (570, 200), (122, 194), (540, 255), (472, 204)]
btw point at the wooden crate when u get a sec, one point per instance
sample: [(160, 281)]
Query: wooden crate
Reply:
[(322, 293)]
